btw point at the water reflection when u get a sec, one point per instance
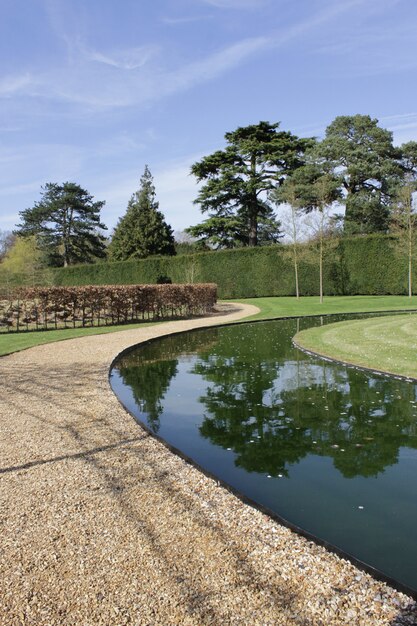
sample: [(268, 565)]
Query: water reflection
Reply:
[(273, 410), (297, 434)]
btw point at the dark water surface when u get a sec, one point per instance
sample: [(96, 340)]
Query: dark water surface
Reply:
[(331, 449)]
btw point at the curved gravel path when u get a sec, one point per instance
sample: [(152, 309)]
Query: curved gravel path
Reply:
[(101, 524)]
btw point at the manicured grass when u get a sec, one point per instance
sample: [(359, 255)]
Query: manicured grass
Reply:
[(388, 344), (310, 305), (270, 308), (13, 342)]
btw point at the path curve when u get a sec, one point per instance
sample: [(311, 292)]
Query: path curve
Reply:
[(101, 524)]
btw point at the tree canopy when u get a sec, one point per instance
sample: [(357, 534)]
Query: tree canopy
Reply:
[(256, 159), (24, 258), (364, 155), (66, 224), (142, 231)]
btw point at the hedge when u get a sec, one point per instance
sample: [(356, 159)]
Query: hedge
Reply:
[(352, 266), (43, 308)]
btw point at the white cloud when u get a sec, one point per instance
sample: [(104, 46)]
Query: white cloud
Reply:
[(215, 64), (174, 21), (12, 85), (89, 79), (403, 126), (129, 59), (236, 4), (146, 83)]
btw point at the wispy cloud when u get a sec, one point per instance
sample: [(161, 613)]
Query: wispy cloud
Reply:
[(186, 19), (143, 84), (216, 64), (403, 126), (331, 12), (129, 59), (13, 85), (145, 73), (236, 4)]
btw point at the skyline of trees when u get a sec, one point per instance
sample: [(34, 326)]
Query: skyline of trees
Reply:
[(244, 189)]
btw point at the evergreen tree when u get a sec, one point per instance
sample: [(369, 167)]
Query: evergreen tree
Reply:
[(66, 224), (364, 155), (142, 231), (256, 160)]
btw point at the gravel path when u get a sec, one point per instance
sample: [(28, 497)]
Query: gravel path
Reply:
[(101, 524)]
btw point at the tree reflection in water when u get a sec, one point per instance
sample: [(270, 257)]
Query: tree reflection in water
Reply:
[(272, 405), (273, 410), (247, 406)]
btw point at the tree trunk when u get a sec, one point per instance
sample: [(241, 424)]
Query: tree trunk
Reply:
[(297, 292), (410, 254), (321, 257), (253, 209), (294, 242), (253, 225)]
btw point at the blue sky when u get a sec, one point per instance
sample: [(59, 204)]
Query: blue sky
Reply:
[(92, 90)]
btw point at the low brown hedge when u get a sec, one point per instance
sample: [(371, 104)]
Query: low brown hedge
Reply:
[(42, 308)]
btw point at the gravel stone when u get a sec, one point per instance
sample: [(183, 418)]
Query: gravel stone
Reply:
[(100, 524)]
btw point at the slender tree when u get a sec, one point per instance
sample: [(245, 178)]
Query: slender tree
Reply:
[(257, 158), (66, 224), (6, 242), (142, 231), (316, 188), (404, 217), (287, 194)]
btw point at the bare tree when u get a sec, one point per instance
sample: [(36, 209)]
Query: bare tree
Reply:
[(403, 226)]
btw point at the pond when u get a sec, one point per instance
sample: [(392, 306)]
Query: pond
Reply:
[(328, 448)]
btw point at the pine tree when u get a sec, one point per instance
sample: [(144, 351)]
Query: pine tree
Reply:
[(66, 224), (256, 160), (142, 231)]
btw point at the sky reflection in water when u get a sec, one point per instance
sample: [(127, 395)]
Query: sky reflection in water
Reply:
[(329, 448)]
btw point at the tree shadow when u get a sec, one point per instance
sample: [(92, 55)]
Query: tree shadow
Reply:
[(69, 414)]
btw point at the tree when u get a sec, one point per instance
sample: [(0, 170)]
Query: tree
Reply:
[(142, 231), (231, 231), (256, 160), (404, 217), (287, 194), (364, 155), (6, 242), (26, 260), (66, 224), (315, 188)]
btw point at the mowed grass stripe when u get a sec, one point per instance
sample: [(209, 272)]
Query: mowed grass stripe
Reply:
[(388, 344)]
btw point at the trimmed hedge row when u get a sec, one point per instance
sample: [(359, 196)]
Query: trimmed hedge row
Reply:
[(352, 266), (40, 308)]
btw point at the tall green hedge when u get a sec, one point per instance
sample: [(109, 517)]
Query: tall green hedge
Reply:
[(361, 265)]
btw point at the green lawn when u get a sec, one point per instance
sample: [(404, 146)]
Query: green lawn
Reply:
[(13, 342), (388, 344), (270, 308), (310, 305)]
